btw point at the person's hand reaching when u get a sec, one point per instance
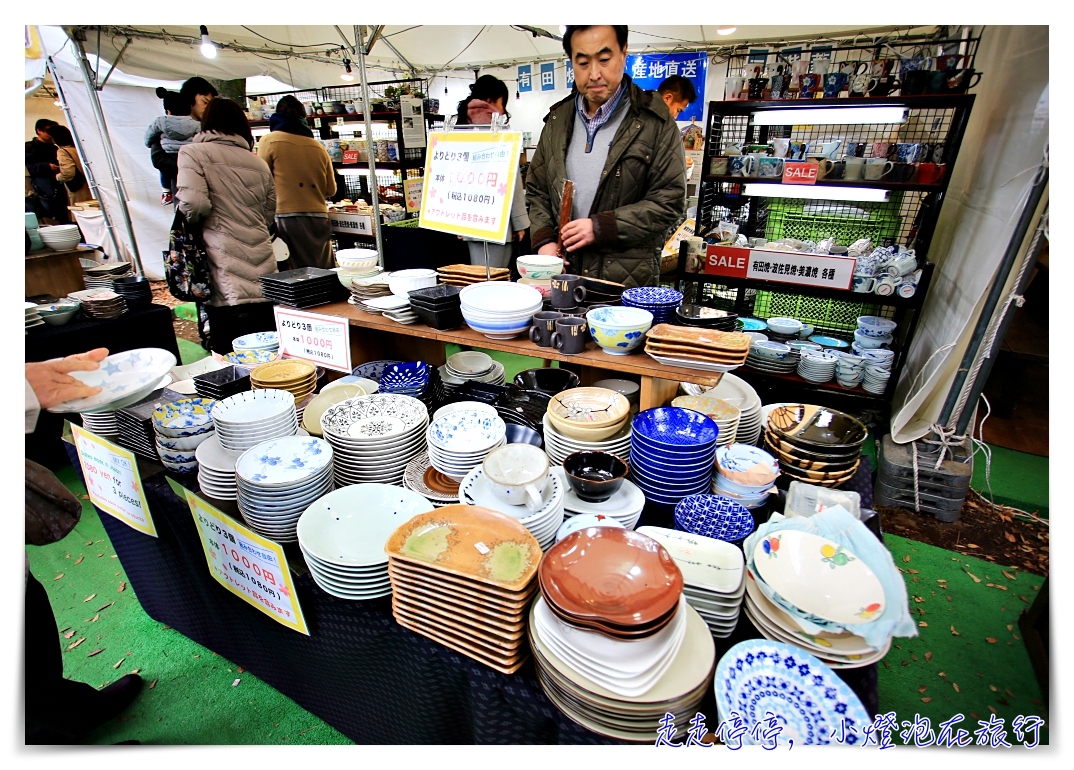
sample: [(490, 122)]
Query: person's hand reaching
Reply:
[(480, 112), (53, 385)]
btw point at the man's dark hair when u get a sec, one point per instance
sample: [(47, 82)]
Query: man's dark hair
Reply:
[(194, 86), (620, 35), (487, 88), (60, 135), (44, 124), (291, 107), (174, 102), (226, 117), (682, 88)]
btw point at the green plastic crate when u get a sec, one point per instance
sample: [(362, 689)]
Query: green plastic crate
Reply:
[(787, 218)]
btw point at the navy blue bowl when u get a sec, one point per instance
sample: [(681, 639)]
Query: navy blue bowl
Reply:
[(671, 473), (670, 426), (671, 453), (520, 434), (714, 516)]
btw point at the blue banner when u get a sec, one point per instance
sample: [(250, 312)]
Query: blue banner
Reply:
[(525, 79), (548, 76), (649, 70)]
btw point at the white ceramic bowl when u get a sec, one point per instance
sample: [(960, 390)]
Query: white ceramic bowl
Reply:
[(501, 298), (253, 406), (539, 267), (870, 343), (790, 326), (875, 326), (357, 257), (403, 281)]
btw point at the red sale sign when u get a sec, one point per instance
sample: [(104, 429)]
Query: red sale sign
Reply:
[(727, 260), (800, 173), (823, 270)]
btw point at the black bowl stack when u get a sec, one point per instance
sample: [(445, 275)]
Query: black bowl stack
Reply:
[(221, 383), (135, 289), (815, 444), (303, 287), (518, 406), (601, 292), (705, 318), (439, 307)]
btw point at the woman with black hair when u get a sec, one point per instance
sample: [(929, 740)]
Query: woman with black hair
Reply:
[(488, 97), (305, 178), (230, 191), (71, 173)]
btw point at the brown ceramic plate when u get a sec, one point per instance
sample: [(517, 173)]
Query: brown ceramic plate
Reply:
[(504, 660), (825, 454), (807, 464), (460, 622), (819, 476), (608, 575), (696, 336), (507, 620), (438, 482), (615, 632), (469, 541), (464, 589)]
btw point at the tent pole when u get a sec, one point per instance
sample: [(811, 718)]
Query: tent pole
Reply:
[(86, 168), (367, 107), (106, 142)]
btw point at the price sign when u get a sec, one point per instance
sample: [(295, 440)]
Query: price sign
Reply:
[(469, 183), (780, 266), (321, 339), (685, 230), (413, 189), (112, 480), (800, 173), (243, 562)]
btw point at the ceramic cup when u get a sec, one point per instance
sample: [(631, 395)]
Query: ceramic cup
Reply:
[(864, 284), (831, 169), (718, 166), (882, 86), (907, 152), (903, 172), (797, 150), (853, 167), (904, 265), (855, 150), (915, 82), (929, 173), (810, 84), (517, 474), (881, 67), (834, 83), (544, 323), (567, 290), (570, 335), (883, 150), (962, 81), (877, 168), (732, 88), (885, 287), (770, 168), (780, 147), (859, 84), (752, 165), (756, 87), (735, 164)]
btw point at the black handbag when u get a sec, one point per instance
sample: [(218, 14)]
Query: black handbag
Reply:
[(79, 180), (186, 265)]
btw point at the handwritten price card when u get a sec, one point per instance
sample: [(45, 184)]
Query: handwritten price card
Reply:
[(321, 339), (112, 480), (469, 182), (243, 562)]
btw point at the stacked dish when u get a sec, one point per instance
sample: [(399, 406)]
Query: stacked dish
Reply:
[(258, 341), (402, 282), (783, 329), (559, 445), (753, 324), (55, 314), (671, 453), (624, 506), (460, 440), (302, 287), (800, 346), (368, 287), (760, 679), (658, 300), (817, 366), (880, 357), (60, 237), (277, 479), (706, 317), (299, 378), (135, 289), (427, 481), (470, 367), (100, 303), (124, 378), (550, 381), (588, 414), (33, 317), (251, 358), (102, 424), (600, 291), (745, 474), (343, 535), (466, 275), (772, 357), (413, 378), (713, 574), (875, 328), (248, 418), (815, 444), (319, 404), (697, 348), (375, 437), (721, 412), (357, 260), (619, 330), (180, 427), (500, 311), (216, 469), (476, 489), (829, 343), (876, 379), (96, 274), (135, 426), (219, 384), (539, 267), (438, 306), (714, 517), (739, 393), (464, 576)]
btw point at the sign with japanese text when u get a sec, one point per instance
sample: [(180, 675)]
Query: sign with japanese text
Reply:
[(412, 113), (321, 339), (250, 566), (412, 187), (685, 230), (821, 270), (356, 224), (548, 76), (800, 173), (570, 75), (469, 183), (525, 78), (112, 480), (649, 70)]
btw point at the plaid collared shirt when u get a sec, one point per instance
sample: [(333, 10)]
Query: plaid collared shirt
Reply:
[(604, 112)]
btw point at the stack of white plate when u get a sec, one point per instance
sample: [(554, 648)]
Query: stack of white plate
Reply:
[(470, 365), (876, 379), (499, 310), (266, 341), (542, 524), (817, 365), (278, 479), (387, 304), (248, 418), (559, 446), (625, 506), (124, 378), (216, 469), (33, 318), (460, 440), (60, 237), (737, 392), (101, 423), (342, 537), (713, 574), (375, 437)]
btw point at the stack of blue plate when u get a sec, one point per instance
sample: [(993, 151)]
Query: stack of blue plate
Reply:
[(671, 453), (658, 300), (714, 516)]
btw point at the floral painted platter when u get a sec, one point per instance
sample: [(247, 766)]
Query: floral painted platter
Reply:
[(811, 705), (819, 577), (119, 376), (284, 461), (339, 418)]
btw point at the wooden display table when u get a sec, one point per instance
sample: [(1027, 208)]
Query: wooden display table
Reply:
[(375, 337), (55, 272)]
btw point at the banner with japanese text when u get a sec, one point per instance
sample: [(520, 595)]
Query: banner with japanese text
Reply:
[(250, 566), (469, 183), (649, 70), (525, 78), (548, 76), (112, 480)]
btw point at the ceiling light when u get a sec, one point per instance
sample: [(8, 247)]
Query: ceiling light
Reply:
[(830, 116), (208, 50), (725, 30), (563, 29), (865, 194), (346, 74)]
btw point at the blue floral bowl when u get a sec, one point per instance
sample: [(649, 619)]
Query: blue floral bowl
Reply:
[(619, 330), (672, 426), (404, 376), (714, 516), (185, 417)]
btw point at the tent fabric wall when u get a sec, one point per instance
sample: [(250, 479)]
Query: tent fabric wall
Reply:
[(1004, 144)]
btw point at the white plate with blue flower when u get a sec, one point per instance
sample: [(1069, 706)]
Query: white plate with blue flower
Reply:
[(256, 341), (284, 461), (120, 376)]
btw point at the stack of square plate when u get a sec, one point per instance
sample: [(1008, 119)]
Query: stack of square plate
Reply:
[(221, 383), (375, 437), (559, 446), (389, 303), (343, 534), (246, 419), (100, 303), (464, 275), (464, 576), (135, 425), (102, 424), (438, 306), (302, 287), (542, 524), (33, 318), (98, 274), (293, 375), (460, 440), (134, 289), (696, 348), (278, 479)]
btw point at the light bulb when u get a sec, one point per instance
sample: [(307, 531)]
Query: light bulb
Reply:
[(726, 30), (208, 50), (346, 74), (562, 29)]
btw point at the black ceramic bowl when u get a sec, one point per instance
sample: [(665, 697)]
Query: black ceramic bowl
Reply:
[(706, 317), (520, 434), (595, 476), (446, 318), (549, 381), (436, 296)]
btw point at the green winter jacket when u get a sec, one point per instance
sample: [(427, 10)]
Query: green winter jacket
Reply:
[(642, 192)]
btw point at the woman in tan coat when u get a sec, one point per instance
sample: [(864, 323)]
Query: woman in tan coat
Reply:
[(71, 171), (229, 191)]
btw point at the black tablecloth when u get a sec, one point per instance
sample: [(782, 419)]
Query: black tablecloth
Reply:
[(358, 670)]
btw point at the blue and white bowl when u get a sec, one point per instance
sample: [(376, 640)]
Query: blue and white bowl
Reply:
[(658, 300), (504, 330), (185, 417), (180, 467), (788, 326), (185, 443), (735, 459), (875, 326), (866, 342), (671, 426), (466, 430), (714, 516), (619, 330), (371, 370), (400, 377), (771, 351), (256, 341), (883, 356), (176, 456), (741, 490), (251, 357)]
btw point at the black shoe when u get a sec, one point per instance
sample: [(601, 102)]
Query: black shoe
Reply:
[(114, 699)]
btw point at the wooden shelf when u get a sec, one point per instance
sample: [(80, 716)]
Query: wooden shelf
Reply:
[(832, 387), (863, 184)]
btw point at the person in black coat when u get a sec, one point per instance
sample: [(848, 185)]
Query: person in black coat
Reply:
[(42, 165)]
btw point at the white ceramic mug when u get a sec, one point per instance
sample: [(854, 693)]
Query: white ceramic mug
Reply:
[(732, 89), (853, 168), (885, 287), (517, 474), (877, 168), (901, 266), (752, 166), (780, 147), (864, 284)]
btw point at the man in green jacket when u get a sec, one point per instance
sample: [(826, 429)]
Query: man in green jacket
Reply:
[(624, 154)]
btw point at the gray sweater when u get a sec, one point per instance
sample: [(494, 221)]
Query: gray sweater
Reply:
[(174, 131), (584, 168)]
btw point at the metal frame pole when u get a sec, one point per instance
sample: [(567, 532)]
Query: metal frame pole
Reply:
[(367, 107), (106, 142), (86, 168)]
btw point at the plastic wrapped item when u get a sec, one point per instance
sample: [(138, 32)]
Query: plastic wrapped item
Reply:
[(825, 246), (860, 247), (727, 231), (806, 499)]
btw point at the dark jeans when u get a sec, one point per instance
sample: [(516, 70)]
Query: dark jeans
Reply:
[(227, 322)]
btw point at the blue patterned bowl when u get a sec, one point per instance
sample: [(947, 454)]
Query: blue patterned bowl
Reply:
[(256, 341), (185, 417), (619, 330), (466, 430), (372, 370), (714, 516), (412, 375), (646, 296), (672, 426)]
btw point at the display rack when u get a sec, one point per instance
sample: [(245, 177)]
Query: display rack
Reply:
[(908, 218)]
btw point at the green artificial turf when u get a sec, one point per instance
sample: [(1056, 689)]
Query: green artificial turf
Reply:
[(189, 352), (1018, 479)]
